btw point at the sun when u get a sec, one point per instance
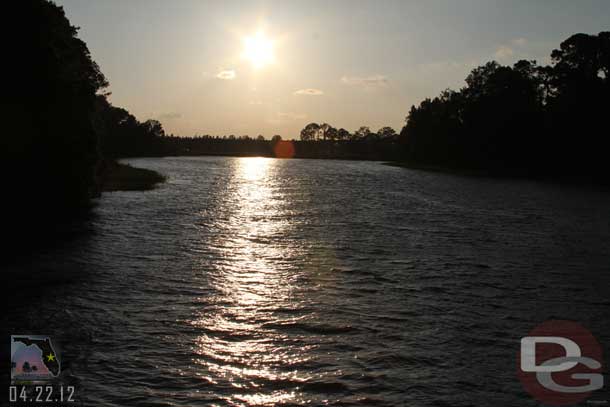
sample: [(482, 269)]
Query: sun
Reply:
[(258, 50)]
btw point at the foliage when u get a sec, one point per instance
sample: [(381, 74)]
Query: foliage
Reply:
[(52, 149), (122, 135), (522, 119), (326, 132)]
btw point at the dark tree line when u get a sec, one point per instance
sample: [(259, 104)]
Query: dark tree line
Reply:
[(58, 120), (529, 119), (50, 148), (230, 145), (364, 145), (326, 132), (122, 135)]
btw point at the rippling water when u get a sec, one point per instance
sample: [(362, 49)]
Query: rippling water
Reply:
[(254, 281)]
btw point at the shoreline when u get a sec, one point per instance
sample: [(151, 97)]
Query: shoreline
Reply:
[(516, 175), (449, 170), (118, 176)]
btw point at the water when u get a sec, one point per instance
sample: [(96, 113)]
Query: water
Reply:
[(253, 281)]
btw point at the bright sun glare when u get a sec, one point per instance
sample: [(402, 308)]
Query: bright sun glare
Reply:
[(258, 49)]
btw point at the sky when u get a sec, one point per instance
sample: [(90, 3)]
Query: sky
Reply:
[(349, 63)]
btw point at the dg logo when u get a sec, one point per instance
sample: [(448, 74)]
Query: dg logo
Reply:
[(560, 363)]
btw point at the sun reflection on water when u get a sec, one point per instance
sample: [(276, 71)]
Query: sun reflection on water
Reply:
[(254, 168), (240, 346)]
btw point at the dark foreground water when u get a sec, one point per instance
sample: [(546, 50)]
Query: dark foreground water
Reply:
[(253, 281)]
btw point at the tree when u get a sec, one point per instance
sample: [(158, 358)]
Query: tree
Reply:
[(387, 133), (343, 135), (326, 132), (525, 118), (153, 128), (260, 137), (276, 138), (331, 134), (122, 135), (49, 101), (489, 123), (577, 106), (310, 132), (362, 133), (582, 58)]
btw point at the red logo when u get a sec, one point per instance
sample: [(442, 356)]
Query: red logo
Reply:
[(560, 363)]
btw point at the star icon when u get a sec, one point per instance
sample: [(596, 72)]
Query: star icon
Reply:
[(50, 357)]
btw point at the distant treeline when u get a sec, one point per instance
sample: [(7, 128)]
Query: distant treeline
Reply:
[(316, 141), (525, 119), (353, 150)]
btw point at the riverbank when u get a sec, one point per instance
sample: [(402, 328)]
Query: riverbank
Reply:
[(123, 177), (449, 170)]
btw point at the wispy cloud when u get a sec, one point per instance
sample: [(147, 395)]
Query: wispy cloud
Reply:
[(504, 52), (515, 48), (309, 92), (227, 74), (367, 81)]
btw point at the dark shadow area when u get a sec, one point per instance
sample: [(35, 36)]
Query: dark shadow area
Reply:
[(60, 130)]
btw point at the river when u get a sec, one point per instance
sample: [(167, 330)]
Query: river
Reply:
[(259, 281)]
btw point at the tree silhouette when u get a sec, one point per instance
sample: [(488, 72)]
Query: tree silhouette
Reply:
[(362, 133), (387, 133), (328, 132), (343, 135), (310, 132), (122, 135), (526, 118), (50, 97)]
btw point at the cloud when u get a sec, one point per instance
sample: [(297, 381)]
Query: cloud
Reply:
[(367, 81), (309, 92), (516, 48), (227, 74), (504, 52), (169, 116)]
